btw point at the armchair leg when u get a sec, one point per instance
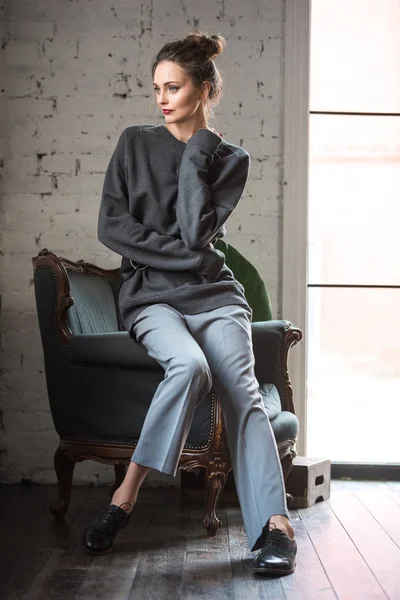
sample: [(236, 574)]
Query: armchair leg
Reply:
[(287, 466), (215, 482), (120, 472), (64, 468)]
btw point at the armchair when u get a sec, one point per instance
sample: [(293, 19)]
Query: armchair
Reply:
[(100, 382)]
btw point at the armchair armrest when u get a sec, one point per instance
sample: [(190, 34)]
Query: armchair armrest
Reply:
[(115, 349), (272, 341)]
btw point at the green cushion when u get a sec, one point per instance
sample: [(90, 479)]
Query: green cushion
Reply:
[(254, 287), (285, 426), (271, 399), (94, 309)]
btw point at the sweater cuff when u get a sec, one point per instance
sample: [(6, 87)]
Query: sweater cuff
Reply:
[(206, 139)]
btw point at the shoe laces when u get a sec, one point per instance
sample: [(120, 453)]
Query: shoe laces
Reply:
[(277, 538), (111, 516)]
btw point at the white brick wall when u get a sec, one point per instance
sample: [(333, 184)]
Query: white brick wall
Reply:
[(74, 74)]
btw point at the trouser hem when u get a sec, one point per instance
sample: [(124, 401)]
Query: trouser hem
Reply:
[(157, 466)]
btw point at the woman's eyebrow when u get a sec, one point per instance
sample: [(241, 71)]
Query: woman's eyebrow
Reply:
[(154, 83)]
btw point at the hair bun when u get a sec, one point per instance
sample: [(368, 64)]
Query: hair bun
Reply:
[(210, 45)]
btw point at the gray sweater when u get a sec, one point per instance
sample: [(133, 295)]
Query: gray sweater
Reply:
[(163, 202)]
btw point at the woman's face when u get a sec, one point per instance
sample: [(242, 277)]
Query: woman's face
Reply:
[(175, 91)]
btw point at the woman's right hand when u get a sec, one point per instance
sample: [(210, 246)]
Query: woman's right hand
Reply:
[(212, 263)]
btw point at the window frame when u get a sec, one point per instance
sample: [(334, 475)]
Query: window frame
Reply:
[(295, 195)]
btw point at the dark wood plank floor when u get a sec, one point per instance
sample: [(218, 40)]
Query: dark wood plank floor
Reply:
[(349, 548)]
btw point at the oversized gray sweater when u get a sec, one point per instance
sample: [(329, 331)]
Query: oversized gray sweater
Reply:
[(163, 202)]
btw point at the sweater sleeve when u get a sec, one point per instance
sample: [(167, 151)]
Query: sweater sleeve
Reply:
[(204, 205), (122, 233)]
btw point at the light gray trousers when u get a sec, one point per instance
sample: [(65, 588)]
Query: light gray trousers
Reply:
[(198, 352)]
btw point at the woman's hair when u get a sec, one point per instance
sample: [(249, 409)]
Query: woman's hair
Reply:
[(195, 54)]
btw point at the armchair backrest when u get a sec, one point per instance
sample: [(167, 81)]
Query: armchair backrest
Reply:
[(91, 293), (74, 298), (94, 309)]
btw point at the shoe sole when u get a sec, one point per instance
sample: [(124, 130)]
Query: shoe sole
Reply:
[(95, 553), (266, 570)]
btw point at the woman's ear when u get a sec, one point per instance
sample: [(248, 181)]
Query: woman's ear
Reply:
[(205, 90)]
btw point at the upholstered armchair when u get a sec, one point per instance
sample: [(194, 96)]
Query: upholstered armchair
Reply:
[(100, 381)]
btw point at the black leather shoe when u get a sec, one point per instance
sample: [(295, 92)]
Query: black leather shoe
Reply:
[(99, 537), (277, 556)]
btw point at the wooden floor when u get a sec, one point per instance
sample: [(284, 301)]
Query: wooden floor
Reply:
[(349, 548)]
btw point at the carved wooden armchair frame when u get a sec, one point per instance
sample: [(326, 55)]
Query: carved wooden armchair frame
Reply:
[(213, 458)]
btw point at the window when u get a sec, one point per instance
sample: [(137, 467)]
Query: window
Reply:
[(353, 397)]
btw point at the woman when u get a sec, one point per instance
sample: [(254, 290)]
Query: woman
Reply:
[(168, 192)]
